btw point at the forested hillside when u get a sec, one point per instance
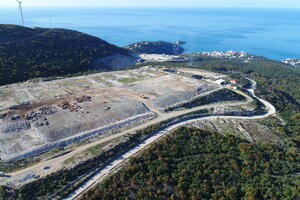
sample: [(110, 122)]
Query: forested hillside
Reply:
[(29, 53), (193, 164), (12, 32)]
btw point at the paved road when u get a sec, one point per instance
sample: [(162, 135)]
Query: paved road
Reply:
[(123, 158), (271, 109)]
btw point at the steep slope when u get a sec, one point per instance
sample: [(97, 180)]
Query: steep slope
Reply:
[(28, 53)]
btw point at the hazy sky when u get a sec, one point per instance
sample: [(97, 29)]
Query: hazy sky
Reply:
[(164, 3)]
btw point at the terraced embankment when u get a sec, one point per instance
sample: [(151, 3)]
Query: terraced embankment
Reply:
[(40, 116)]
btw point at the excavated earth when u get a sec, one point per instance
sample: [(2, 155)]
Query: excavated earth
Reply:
[(38, 116), (251, 130)]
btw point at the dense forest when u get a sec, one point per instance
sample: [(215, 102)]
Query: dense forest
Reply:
[(27, 53), (194, 164)]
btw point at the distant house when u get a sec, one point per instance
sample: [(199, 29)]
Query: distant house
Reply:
[(170, 70), (221, 82), (197, 76)]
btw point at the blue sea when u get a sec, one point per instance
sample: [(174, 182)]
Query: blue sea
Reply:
[(273, 33)]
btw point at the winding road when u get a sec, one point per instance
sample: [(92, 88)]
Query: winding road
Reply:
[(117, 162)]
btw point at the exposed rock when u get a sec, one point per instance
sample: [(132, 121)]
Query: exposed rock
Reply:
[(18, 154), (14, 126), (115, 61), (117, 100), (161, 58), (248, 129)]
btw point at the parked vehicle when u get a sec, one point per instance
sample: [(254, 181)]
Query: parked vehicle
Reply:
[(46, 167)]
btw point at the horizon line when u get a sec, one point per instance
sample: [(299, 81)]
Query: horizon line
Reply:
[(98, 6)]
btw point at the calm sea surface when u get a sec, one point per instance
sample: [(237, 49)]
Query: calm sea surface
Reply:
[(273, 33)]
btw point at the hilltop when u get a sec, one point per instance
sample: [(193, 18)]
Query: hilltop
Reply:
[(40, 52), (159, 47)]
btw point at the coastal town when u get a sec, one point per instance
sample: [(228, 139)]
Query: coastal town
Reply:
[(246, 57), (292, 62)]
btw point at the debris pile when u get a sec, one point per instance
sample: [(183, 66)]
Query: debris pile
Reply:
[(71, 107), (35, 115), (65, 105), (83, 98)]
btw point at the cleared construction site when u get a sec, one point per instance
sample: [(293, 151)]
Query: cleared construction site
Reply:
[(38, 116)]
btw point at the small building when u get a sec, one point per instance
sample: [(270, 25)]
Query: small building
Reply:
[(221, 82), (195, 76)]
